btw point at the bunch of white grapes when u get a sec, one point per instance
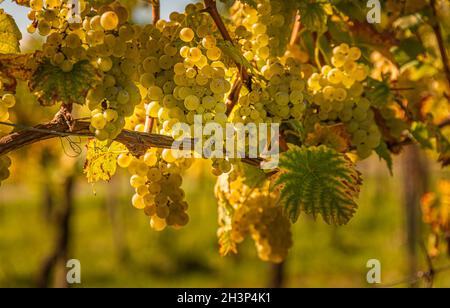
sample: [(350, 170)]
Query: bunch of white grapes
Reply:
[(258, 29), (156, 178), (105, 39), (255, 212), (338, 93)]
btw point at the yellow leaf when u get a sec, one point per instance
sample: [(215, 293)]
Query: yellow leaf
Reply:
[(101, 160), (10, 35)]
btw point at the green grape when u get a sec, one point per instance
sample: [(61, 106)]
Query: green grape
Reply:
[(155, 93), (105, 64), (109, 21), (194, 54), (192, 102), (187, 35), (214, 53)]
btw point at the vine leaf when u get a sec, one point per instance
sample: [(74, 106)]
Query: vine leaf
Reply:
[(335, 137), (231, 51), (14, 67), (314, 16), (379, 92), (51, 85), (421, 134), (101, 160), (10, 35), (383, 153), (319, 180)]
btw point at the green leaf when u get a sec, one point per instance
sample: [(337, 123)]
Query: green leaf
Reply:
[(340, 32), (231, 51), (408, 50), (313, 16), (101, 160), (51, 85), (384, 154), (443, 147), (355, 9), (379, 92), (421, 134), (253, 177), (10, 35), (318, 180)]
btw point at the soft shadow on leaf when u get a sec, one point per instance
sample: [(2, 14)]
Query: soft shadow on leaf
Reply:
[(52, 85), (10, 35), (101, 160)]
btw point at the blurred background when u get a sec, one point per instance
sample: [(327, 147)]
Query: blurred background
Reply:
[(49, 214)]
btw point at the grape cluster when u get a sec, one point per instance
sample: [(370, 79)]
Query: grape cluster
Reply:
[(184, 75), (259, 29), (113, 49), (156, 178), (255, 212), (183, 71), (7, 101), (281, 99), (64, 44), (338, 92), (106, 39)]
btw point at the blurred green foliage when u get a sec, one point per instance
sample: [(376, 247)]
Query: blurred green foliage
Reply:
[(322, 256)]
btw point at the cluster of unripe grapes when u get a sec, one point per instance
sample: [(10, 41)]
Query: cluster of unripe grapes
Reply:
[(63, 46), (259, 29), (156, 76), (338, 93), (183, 73), (255, 212), (156, 178), (7, 101), (106, 39), (283, 97)]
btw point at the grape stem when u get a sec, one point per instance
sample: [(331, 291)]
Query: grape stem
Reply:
[(440, 39), (234, 96), (156, 11), (295, 30), (211, 9), (149, 122), (136, 142)]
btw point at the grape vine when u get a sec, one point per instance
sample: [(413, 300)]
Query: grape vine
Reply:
[(314, 69)]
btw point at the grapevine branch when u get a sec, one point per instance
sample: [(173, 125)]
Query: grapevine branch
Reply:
[(136, 142), (440, 39), (418, 277), (233, 97), (211, 9), (156, 15), (156, 11), (295, 30)]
